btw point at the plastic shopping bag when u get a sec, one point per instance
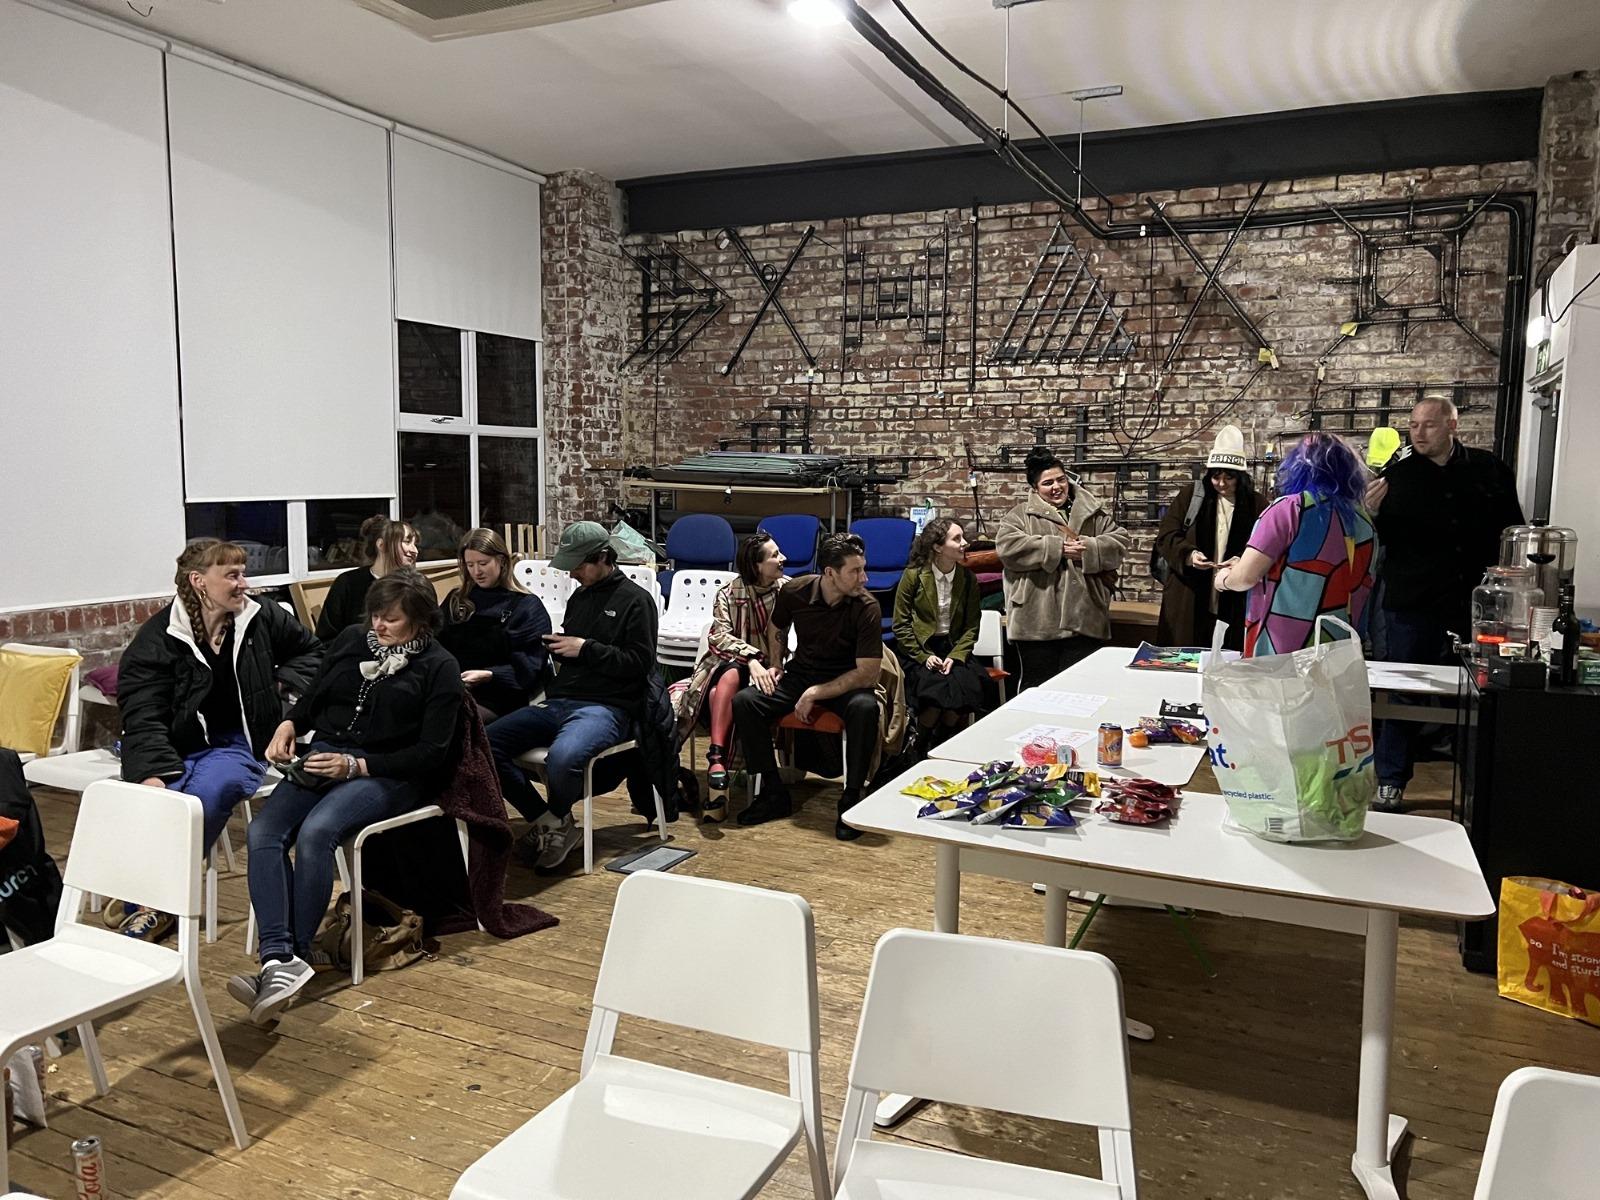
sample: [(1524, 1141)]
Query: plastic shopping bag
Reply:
[(633, 547), (1291, 739), (1550, 946)]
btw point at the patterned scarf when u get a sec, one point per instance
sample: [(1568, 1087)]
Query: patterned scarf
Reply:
[(390, 660)]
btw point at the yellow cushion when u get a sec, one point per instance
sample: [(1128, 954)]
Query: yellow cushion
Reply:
[(32, 690)]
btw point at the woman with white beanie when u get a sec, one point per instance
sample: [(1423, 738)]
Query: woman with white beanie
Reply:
[(1207, 526)]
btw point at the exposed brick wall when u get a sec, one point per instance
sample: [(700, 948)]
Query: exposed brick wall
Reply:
[(895, 394), (587, 283), (1569, 163)]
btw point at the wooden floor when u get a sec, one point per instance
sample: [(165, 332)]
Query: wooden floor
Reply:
[(391, 1089)]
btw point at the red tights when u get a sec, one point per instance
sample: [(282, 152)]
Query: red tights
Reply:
[(719, 705)]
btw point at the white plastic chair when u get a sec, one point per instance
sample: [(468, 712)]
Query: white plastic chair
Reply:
[(1078, 1074), (645, 577), (74, 720), (535, 760), (693, 593), (551, 586), (1539, 1136), (702, 954), (991, 645), (140, 843), (348, 864)]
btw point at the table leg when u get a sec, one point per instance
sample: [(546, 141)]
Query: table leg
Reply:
[(894, 1107), (1378, 1131), (1055, 934)]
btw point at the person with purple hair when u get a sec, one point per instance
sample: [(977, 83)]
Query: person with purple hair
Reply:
[(1310, 553)]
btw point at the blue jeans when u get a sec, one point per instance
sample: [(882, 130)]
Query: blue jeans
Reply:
[(290, 900), (574, 730), (1418, 637), (219, 777)]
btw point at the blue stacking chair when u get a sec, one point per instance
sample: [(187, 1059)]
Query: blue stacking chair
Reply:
[(701, 540), (888, 541), (796, 535)]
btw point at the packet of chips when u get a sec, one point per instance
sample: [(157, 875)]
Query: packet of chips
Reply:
[(1043, 775), (994, 805), (1038, 814), (949, 808), (931, 787), (993, 774)]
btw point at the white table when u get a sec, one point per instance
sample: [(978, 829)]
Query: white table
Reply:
[(986, 739), (1402, 864)]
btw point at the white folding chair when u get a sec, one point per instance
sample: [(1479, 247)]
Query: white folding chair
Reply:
[(645, 577), (551, 586), (140, 843), (718, 957), (536, 761), (1079, 1074), (74, 701), (1539, 1136)]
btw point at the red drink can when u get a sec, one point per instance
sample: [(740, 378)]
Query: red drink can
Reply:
[(1110, 751), (89, 1169)]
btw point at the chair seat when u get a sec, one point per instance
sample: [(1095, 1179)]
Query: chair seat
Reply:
[(73, 772), (883, 581), (539, 755), (824, 722), (892, 1171), (631, 1128), (80, 974)]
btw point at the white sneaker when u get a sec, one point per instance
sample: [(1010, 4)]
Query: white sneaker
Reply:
[(558, 844)]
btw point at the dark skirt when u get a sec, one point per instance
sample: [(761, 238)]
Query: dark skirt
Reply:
[(962, 690)]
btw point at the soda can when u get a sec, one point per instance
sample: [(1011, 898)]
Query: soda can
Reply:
[(1110, 750), (89, 1169)]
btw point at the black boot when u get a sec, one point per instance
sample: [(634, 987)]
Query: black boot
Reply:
[(840, 830), (770, 804)]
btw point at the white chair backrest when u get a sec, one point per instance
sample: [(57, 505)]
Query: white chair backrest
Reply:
[(694, 591), (1539, 1136), (551, 586), (74, 703), (646, 578), (906, 1043), (140, 844), (719, 957), (989, 644)]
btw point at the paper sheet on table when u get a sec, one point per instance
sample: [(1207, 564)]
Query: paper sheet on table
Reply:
[(1060, 734), (1058, 704)]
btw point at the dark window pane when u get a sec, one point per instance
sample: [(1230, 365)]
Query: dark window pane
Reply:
[(435, 492), (508, 381), (430, 370), (508, 481), (333, 531), (261, 527)]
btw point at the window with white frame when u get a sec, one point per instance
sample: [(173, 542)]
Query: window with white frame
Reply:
[(470, 410)]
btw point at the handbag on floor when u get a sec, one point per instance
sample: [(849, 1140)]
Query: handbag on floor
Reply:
[(1550, 946), (1291, 738), (392, 936)]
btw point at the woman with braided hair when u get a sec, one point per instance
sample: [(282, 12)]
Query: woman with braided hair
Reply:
[(199, 693)]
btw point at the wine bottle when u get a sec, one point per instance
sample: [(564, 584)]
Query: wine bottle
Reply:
[(1564, 639)]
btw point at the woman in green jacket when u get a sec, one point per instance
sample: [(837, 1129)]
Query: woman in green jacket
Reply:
[(935, 629)]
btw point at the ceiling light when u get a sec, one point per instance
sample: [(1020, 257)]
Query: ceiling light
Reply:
[(817, 12)]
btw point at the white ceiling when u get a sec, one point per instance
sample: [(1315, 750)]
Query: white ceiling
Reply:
[(688, 85)]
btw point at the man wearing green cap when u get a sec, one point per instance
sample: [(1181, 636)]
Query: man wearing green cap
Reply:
[(603, 655)]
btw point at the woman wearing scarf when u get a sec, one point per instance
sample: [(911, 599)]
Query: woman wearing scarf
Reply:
[(385, 707), (742, 647)]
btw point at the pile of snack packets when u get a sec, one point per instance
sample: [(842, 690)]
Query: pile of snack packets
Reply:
[(1024, 797), (1162, 731)]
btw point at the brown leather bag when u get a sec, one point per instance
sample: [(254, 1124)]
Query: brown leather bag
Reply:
[(392, 936)]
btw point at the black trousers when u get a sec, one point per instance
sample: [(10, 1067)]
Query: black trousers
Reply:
[(754, 713), (1041, 660)]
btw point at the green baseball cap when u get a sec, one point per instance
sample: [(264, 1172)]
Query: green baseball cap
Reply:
[(579, 541)]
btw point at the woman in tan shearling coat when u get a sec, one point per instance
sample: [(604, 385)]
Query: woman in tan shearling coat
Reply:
[(1061, 550)]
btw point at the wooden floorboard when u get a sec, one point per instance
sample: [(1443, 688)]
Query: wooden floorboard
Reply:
[(390, 1090)]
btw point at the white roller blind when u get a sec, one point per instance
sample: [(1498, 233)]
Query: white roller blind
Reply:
[(466, 243), (90, 491), (281, 232)]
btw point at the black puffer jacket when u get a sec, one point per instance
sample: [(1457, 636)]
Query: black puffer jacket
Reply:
[(163, 680)]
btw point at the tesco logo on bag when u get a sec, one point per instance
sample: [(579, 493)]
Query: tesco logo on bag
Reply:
[(1354, 748)]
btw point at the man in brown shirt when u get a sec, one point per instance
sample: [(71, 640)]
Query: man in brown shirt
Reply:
[(838, 654)]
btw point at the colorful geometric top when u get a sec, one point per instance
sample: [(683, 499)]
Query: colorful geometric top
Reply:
[(1318, 567)]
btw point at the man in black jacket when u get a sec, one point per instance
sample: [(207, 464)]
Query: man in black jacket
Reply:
[(1439, 508), (603, 655)]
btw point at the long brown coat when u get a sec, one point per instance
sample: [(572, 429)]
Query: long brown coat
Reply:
[(1187, 591)]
